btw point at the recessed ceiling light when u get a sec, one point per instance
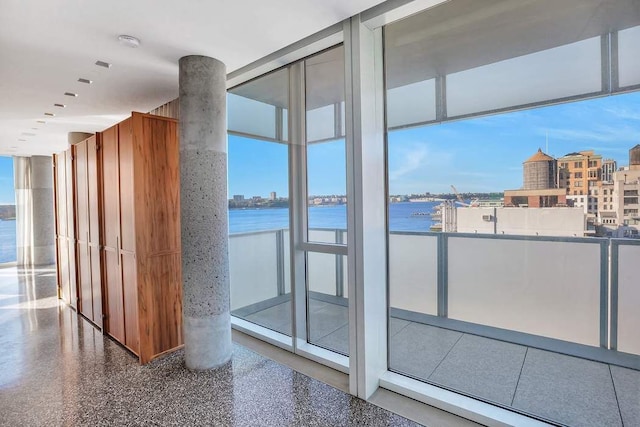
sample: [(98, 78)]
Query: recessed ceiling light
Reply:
[(71, 94), (34, 128), (129, 41), (28, 134), (41, 121), (59, 105), (49, 114), (22, 140), (103, 64), (87, 81)]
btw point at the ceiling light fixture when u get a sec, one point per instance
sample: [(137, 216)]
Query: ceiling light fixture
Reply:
[(60, 105), (41, 121), (71, 94), (103, 64), (22, 140), (49, 114), (87, 81), (129, 41)]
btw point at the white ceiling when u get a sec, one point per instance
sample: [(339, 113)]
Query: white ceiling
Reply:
[(45, 46)]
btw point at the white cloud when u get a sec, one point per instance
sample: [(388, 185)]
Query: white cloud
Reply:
[(412, 159)]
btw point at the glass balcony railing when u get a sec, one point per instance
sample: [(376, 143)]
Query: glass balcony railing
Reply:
[(489, 316)]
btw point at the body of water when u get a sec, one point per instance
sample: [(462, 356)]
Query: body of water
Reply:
[(7, 241), (402, 217)]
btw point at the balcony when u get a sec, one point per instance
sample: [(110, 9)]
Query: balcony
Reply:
[(546, 326)]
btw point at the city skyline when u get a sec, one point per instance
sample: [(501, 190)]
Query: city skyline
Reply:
[(477, 155)]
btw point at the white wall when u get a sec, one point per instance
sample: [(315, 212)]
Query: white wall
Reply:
[(628, 299), (413, 273), (523, 221), (538, 287), (253, 268)]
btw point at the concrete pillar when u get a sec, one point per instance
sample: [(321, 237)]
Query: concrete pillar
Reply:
[(34, 210), (44, 251), (24, 229), (204, 218)]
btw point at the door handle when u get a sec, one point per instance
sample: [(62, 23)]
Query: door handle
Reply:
[(118, 248)]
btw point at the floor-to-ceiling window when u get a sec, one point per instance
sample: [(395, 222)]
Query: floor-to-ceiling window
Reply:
[(511, 161), (259, 202), (7, 212), (287, 171), (327, 302)]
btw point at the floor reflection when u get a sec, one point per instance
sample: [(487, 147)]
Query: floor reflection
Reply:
[(57, 369)]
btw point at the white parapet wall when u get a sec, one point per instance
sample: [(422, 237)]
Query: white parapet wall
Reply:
[(559, 221)]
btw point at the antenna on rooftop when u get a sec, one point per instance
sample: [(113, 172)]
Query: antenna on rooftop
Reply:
[(546, 148)]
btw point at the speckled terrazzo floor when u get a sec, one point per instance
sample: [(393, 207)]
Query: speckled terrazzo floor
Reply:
[(56, 369)]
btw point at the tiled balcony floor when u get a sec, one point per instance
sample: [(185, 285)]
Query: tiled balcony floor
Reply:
[(559, 388), (57, 369)]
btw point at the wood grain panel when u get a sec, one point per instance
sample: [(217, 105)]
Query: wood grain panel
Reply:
[(70, 183), (93, 190), (96, 284), (94, 213), (114, 325), (63, 267), (82, 192), (61, 181), (160, 305), (130, 289), (110, 188), (84, 280), (157, 177), (127, 186)]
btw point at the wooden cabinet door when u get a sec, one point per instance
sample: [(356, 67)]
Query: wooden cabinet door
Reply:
[(82, 231), (73, 291), (130, 290), (127, 186), (93, 201), (114, 309)]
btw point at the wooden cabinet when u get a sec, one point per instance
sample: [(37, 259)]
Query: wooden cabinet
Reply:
[(65, 245), (140, 219), (87, 223)]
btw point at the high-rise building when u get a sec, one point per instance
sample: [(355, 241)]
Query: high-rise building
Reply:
[(580, 173), (619, 205), (272, 196), (609, 166)]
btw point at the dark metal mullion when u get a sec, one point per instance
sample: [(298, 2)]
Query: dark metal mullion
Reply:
[(605, 63), (604, 294), (443, 275), (614, 68), (441, 98), (339, 266), (613, 333)]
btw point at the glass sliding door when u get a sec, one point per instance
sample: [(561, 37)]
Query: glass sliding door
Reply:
[(259, 202), (326, 209)]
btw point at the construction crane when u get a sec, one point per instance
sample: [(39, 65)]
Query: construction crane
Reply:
[(461, 201), (458, 196)]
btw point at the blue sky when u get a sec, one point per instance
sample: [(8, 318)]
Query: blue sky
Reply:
[(477, 155), (7, 196), (484, 154)]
